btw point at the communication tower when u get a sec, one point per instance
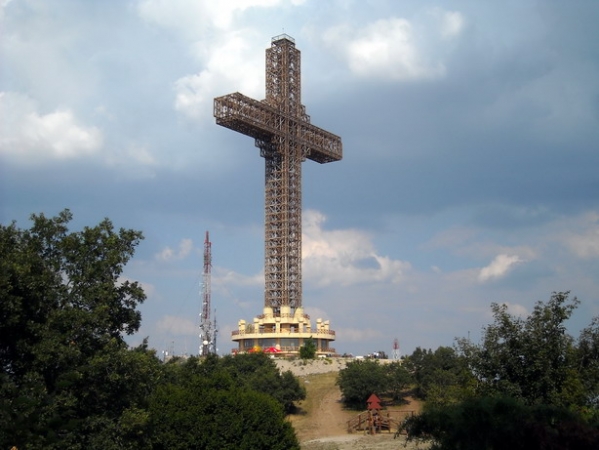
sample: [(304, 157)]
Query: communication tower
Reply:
[(208, 329), (396, 355)]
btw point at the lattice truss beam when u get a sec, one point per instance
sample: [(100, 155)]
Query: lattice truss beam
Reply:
[(283, 133)]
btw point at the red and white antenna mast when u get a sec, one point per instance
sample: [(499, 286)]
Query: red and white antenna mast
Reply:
[(207, 328), (396, 355)]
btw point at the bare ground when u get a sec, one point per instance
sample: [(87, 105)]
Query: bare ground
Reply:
[(321, 421)]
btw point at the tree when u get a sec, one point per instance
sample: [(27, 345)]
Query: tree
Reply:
[(308, 350), (208, 404), (361, 378), (587, 366), (399, 379), (441, 376), (532, 359), (501, 423), (259, 372), (64, 310), (69, 380)]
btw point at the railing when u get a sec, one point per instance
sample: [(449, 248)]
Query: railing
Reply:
[(384, 420), (281, 315), (288, 349), (284, 331)]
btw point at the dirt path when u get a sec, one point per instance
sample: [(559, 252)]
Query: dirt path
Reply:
[(321, 421)]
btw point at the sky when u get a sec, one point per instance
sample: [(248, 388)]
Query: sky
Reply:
[(470, 155)]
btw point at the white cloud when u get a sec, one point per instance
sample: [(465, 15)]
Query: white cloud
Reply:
[(224, 278), (168, 254), (231, 55), (30, 137), (516, 309), (359, 334), (585, 243), (228, 68), (344, 257), (177, 326), (452, 24), (386, 48), (3, 4), (499, 267), (197, 16)]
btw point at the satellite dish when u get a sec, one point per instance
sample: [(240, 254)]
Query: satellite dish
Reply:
[(205, 342)]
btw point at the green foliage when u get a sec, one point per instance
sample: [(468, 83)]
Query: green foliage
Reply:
[(68, 379), (587, 383), (218, 403), (199, 415), (308, 350), (360, 379), (534, 359), (259, 372), (501, 424), (65, 366), (399, 379), (441, 377)]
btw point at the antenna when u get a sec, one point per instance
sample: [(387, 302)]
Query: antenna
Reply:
[(207, 328), (396, 353)]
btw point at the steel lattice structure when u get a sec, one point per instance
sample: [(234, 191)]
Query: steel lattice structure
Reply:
[(283, 133), (208, 329)]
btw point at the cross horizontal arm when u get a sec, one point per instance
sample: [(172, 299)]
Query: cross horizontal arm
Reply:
[(261, 121)]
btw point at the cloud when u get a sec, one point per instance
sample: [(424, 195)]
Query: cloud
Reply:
[(177, 326), (516, 309), (386, 49), (344, 257), (359, 334), (231, 55), (499, 267), (30, 137), (168, 254), (196, 16), (452, 23), (228, 277), (228, 68), (584, 243)]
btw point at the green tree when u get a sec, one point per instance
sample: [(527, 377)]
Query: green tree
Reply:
[(399, 379), (501, 423), (260, 373), (441, 376), (64, 309), (532, 359), (308, 350), (586, 387), (208, 408), (359, 380)]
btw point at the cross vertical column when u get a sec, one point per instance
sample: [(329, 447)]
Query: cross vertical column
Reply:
[(283, 193)]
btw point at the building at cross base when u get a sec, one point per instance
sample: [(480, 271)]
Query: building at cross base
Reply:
[(285, 333)]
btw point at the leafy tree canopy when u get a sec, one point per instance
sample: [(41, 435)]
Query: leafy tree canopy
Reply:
[(68, 379), (534, 359), (360, 379), (308, 350), (64, 310), (441, 376), (501, 423)]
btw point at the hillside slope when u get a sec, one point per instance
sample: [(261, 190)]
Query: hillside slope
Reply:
[(321, 420)]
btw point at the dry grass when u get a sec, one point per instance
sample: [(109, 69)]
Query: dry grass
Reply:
[(321, 421)]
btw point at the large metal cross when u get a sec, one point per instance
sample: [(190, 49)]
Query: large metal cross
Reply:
[(285, 137)]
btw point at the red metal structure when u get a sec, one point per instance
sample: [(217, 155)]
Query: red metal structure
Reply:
[(207, 327), (283, 133)]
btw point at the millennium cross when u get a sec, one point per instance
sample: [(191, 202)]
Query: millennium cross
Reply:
[(283, 133)]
